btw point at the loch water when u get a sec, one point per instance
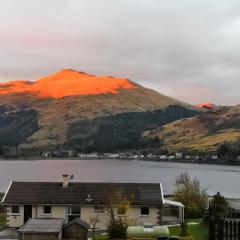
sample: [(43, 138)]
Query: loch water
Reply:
[(222, 178)]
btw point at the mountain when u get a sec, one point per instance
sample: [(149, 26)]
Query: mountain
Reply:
[(83, 111), (206, 131)]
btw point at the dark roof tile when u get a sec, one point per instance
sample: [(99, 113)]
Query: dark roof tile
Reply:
[(79, 192)]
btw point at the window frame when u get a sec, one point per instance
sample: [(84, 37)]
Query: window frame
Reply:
[(98, 209), (47, 213), (143, 214), (15, 212)]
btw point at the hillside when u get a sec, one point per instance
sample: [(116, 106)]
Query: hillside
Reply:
[(206, 131), (80, 110)]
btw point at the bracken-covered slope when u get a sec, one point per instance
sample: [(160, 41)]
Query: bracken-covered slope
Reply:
[(204, 132), (78, 109)]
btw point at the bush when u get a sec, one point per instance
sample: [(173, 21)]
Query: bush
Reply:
[(218, 209), (117, 230)]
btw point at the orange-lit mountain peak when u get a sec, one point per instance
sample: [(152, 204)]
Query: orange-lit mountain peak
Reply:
[(68, 70), (206, 105), (66, 83)]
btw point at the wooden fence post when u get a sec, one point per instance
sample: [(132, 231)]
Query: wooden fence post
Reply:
[(224, 230), (212, 230)]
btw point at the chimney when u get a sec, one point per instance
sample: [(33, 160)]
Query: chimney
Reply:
[(65, 180)]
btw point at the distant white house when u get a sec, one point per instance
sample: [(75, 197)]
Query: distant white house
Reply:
[(179, 154), (69, 200)]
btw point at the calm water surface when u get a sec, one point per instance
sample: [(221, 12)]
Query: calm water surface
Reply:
[(225, 179)]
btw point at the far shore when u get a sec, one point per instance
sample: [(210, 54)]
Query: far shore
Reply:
[(38, 158)]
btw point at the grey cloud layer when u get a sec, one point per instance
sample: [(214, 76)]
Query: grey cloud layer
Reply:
[(187, 49)]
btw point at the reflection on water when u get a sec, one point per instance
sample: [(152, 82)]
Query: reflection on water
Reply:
[(213, 177)]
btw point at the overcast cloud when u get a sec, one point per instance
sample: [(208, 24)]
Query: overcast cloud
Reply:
[(187, 49)]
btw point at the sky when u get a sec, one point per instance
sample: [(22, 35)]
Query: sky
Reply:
[(186, 49)]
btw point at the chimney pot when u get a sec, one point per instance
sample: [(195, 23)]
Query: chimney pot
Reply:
[(65, 180)]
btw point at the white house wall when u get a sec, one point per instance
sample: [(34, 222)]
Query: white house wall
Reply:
[(88, 212), (15, 220), (134, 214), (152, 218), (57, 212)]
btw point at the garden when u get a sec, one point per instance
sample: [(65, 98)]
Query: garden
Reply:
[(198, 213)]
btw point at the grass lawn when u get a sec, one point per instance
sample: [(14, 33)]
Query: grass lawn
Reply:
[(101, 237), (2, 219), (198, 231)]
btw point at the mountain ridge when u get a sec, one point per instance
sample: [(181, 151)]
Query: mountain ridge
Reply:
[(88, 107), (67, 82)]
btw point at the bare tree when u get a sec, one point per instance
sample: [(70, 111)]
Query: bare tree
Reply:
[(93, 223)]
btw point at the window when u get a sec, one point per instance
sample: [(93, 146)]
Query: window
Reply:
[(15, 209), (98, 209), (144, 211), (47, 209), (74, 210)]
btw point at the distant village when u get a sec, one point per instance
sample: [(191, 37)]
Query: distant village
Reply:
[(133, 156), (148, 155), (13, 152)]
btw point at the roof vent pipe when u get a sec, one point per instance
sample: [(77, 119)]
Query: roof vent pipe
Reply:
[(65, 180)]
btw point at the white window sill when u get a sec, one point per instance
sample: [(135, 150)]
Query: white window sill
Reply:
[(144, 216), (71, 215), (47, 214), (98, 211), (14, 214)]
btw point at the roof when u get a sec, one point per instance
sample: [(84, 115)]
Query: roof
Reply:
[(173, 203), (79, 222), (81, 193), (38, 225)]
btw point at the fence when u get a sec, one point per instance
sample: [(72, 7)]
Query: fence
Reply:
[(224, 230)]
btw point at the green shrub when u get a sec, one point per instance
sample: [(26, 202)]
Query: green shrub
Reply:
[(117, 230), (218, 209)]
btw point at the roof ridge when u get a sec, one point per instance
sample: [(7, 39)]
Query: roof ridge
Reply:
[(87, 182)]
